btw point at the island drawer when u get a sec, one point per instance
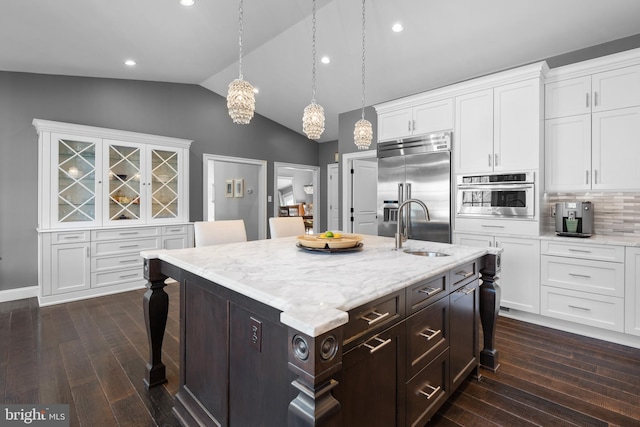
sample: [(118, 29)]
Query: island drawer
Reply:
[(589, 309), (463, 274), (598, 277), (427, 390), (427, 335), (583, 251), (424, 293), (374, 316)]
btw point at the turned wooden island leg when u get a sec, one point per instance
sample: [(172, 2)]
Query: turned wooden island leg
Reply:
[(156, 307), (489, 308)]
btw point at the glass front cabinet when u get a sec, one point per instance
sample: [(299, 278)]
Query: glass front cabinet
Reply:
[(116, 188)]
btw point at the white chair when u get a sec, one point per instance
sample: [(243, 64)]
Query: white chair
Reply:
[(217, 232), (286, 226)]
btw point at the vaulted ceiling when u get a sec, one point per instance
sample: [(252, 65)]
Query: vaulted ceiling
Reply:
[(443, 42)]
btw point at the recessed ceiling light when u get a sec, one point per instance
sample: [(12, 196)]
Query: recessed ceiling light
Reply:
[(187, 2), (325, 60), (256, 90), (130, 62), (397, 27)]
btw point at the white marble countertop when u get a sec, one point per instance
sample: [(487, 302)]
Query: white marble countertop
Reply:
[(315, 290)]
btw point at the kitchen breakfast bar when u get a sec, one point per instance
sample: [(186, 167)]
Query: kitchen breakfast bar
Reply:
[(272, 334)]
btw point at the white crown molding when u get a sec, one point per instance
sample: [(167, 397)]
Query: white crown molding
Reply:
[(105, 133), (627, 58)]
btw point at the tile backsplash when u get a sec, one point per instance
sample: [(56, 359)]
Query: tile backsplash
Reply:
[(615, 213)]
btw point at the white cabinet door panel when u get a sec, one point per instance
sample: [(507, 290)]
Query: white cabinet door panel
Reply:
[(616, 89), (520, 276), (616, 149), (70, 267), (632, 292), (568, 153), (473, 135), (597, 277), (433, 117), (568, 98), (395, 124)]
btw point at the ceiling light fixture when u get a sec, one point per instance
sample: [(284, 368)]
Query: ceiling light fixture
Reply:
[(187, 2), (130, 62), (313, 117), (363, 132), (241, 101), (325, 60), (397, 27)]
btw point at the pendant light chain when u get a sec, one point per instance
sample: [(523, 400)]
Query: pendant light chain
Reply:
[(363, 131), (313, 116), (363, 51), (240, 25), (313, 54)]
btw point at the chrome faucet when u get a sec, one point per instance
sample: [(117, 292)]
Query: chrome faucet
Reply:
[(401, 237)]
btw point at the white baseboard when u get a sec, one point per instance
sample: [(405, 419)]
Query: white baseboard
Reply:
[(18, 293)]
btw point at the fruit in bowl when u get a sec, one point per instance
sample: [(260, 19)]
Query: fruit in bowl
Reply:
[(330, 235)]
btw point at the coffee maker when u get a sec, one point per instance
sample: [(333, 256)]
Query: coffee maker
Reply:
[(574, 219)]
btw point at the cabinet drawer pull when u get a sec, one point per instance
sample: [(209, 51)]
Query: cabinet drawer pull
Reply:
[(582, 251), (429, 333), (381, 343), (587, 178), (489, 160), (128, 233), (176, 229), (128, 261), (464, 274), (579, 308), (71, 237), (429, 291), (587, 99), (580, 275), (492, 226), (466, 290), (127, 276), (433, 390), (128, 246), (378, 317)]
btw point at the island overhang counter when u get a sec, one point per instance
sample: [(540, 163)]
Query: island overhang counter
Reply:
[(269, 331)]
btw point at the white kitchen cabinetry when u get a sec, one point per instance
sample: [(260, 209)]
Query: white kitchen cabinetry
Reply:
[(618, 88), (415, 120), (592, 112), (499, 129), (519, 279), (103, 196), (632, 291), (583, 283)]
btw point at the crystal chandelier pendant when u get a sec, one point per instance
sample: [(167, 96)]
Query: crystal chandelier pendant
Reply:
[(241, 101), (313, 121), (363, 134)]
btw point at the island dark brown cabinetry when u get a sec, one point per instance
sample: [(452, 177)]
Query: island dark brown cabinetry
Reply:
[(394, 363)]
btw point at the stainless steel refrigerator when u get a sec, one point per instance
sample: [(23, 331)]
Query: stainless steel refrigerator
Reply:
[(418, 168)]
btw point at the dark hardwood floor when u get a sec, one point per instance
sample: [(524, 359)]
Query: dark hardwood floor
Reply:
[(91, 354)]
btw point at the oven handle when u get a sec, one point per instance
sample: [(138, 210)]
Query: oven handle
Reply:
[(489, 187)]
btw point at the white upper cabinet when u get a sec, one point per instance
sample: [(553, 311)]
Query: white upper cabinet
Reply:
[(94, 177), (499, 129), (473, 134), (416, 120), (609, 90), (593, 122)]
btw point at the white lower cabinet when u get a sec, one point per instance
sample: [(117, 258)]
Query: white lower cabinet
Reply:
[(87, 263), (583, 283), (632, 291), (519, 279)]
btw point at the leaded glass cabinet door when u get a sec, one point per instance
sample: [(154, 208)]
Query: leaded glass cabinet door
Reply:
[(125, 194), (76, 181), (165, 184)]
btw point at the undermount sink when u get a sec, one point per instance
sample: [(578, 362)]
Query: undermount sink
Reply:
[(421, 252)]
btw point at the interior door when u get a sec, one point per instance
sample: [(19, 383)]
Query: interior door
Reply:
[(365, 194), (333, 211)]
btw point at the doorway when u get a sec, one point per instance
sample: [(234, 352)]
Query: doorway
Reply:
[(247, 179), (296, 185), (333, 197), (365, 189)]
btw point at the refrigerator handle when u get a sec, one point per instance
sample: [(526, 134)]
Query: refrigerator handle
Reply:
[(407, 211), (400, 193)]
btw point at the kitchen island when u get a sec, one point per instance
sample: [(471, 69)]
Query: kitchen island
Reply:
[(271, 334)]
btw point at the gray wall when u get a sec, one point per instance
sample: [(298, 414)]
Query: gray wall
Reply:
[(176, 110)]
